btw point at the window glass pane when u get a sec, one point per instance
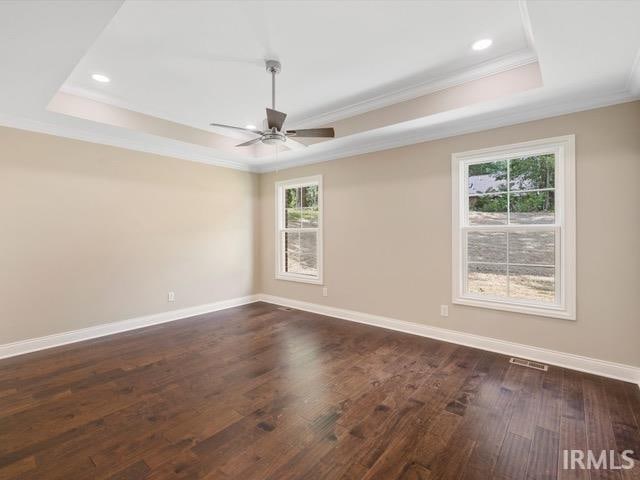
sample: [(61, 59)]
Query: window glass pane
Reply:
[(534, 207), (488, 210), (301, 252), (309, 196), (309, 217), (487, 279), (292, 200), (532, 283), (309, 253), (488, 247), (488, 177), (532, 173), (292, 197), (309, 203), (294, 218), (532, 247), (291, 247)]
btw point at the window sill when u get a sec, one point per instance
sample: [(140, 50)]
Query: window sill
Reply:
[(299, 278), (553, 312)]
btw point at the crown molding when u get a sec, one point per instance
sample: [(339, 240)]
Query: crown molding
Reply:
[(169, 148), (378, 140), (108, 99), (384, 138), (114, 101), (154, 113), (443, 125), (634, 77), (526, 24), (432, 84)]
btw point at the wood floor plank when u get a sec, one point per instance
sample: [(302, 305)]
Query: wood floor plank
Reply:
[(528, 405), (551, 402), (573, 436), (600, 436), (625, 427), (137, 471), (513, 457), (257, 392), (543, 457), (13, 470)]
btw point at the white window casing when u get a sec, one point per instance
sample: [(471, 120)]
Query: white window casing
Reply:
[(563, 228), (287, 268)]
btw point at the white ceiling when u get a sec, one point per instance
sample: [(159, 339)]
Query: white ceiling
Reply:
[(196, 62), (201, 62)]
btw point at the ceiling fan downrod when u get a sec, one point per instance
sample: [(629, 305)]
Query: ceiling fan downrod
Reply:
[(273, 67)]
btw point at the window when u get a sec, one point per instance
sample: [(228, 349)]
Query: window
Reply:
[(514, 228), (299, 230)]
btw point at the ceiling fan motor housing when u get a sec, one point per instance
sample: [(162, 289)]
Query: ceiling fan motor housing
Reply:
[(273, 66)]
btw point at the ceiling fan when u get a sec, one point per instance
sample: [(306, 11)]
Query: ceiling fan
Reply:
[(274, 134)]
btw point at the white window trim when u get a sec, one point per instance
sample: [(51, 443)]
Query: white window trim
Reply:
[(564, 147), (280, 188)]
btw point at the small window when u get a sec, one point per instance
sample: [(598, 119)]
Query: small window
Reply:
[(299, 230), (514, 228)]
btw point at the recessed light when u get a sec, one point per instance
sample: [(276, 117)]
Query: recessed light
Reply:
[(482, 44), (251, 127), (98, 77)]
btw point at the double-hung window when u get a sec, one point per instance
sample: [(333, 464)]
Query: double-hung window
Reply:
[(299, 230), (514, 227)]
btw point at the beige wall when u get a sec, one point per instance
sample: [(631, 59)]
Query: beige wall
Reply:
[(93, 234), (387, 236)]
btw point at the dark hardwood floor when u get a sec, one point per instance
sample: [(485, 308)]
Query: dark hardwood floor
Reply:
[(257, 392)]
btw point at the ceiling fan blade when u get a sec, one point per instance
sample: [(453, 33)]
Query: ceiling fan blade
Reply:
[(294, 144), (250, 142), (275, 119), (312, 132), (258, 132)]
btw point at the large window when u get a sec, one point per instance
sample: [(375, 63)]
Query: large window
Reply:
[(299, 230), (514, 228)]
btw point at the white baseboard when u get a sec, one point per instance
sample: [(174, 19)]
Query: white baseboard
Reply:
[(58, 339), (603, 368)]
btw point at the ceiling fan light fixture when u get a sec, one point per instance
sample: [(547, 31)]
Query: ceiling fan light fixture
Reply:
[(251, 127), (273, 138)]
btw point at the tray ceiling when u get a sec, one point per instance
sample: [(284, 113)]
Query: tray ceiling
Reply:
[(381, 71)]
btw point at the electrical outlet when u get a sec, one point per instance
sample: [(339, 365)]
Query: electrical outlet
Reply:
[(171, 296), (325, 292), (444, 310)]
